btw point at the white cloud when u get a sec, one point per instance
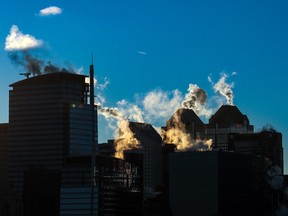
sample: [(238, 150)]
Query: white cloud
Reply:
[(130, 110), (52, 10), (161, 105), (16, 40)]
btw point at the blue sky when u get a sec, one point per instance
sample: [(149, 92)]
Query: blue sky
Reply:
[(162, 46)]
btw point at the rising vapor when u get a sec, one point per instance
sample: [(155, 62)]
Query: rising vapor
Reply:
[(17, 41), (275, 178), (126, 139), (224, 88), (156, 107), (184, 142), (196, 99), (35, 65)]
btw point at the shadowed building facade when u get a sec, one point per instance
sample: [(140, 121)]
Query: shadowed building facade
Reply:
[(49, 118), (148, 157), (267, 144), (213, 183), (116, 191), (10, 203), (228, 119)]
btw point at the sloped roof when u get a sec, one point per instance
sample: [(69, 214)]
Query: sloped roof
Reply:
[(227, 115), (143, 129), (184, 116)]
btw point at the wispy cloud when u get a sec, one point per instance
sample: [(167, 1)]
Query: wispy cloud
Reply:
[(16, 40), (52, 10), (141, 52)]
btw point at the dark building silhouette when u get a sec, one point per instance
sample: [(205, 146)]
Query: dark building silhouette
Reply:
[(213, 183), (116, 189), (55, 168), (49, 119), (187, 121), (41, 192), (3, 154), (228, 119), (10, 202), (151, 150), (267, 144), (107, 149)]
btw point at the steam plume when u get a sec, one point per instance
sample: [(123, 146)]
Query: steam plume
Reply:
[(275, 178), (157, 106), (126, 139), (223, 88), (110, 112), (34, 64), (184, 141), (196, 99)]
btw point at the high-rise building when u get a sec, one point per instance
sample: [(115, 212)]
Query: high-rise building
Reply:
[(267, 144), (150, 154), (115, 191), (3, 153), (213, 183), (10, 203), (228, 119), (49, 118)]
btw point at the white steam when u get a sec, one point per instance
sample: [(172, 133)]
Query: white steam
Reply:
[(275, 178), (17, 41), (224, 88), (126, 139), (196, 99), (156, 107), (184, 142)]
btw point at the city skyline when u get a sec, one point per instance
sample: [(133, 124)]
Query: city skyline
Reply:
[(158, 49)]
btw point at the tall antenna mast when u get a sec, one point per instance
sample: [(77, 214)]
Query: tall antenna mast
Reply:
[(93, 155), (92, 84)]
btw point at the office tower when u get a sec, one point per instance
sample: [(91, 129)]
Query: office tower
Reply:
[(107, 149), (213, 183), (267, 144), (228, 119), (150, 154), (116, 190), (3, 153), (49, 118), (10, 202)]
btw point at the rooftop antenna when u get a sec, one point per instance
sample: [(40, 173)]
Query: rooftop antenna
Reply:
[(92, 83), (94, 141), (25, 74)]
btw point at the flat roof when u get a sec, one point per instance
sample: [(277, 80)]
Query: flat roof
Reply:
[(49, 78)]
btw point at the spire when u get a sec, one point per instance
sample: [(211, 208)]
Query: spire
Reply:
[(92, 83)]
